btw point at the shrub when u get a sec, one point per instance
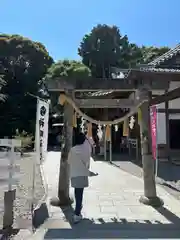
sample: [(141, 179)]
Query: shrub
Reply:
[(27, 140)]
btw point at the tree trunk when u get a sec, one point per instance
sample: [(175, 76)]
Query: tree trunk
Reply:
[(63, 188), (150, 197)]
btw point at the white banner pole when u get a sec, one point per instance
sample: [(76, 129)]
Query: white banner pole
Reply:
[(40, 145), (37, 156)]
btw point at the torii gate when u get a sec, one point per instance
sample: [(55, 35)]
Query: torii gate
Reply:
[(140, 82)]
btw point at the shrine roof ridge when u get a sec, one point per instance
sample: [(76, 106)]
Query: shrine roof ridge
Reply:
[(166, 56), (144, 68), (165, 70)]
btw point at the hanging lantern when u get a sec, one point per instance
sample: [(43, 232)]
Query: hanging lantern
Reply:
[(139, 116), (125, 128), (108, 134), (62, 99), (75, 120), (89, 129)]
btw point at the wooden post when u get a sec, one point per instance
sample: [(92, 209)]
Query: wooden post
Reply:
[(137, 150), (105, 145), (10, 195), (150, 196), (106, 115), (63, 186), (167, 129), (8, 216), (110, 145)]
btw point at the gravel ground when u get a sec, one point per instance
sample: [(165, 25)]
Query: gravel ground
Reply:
[(22, 205)]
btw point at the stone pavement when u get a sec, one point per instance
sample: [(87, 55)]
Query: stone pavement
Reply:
[(168, 173), (111, 208)]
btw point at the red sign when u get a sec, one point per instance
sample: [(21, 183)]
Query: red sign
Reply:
[(153, 117)]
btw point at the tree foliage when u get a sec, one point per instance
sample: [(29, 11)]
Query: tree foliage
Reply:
[(2, 83), (23, 64), (70, 69), (67, 68), (151, 53), (104, 47)]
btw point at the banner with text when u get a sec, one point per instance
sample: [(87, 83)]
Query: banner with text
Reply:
[(153, 119), (42, 119)]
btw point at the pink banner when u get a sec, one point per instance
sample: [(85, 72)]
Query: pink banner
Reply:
[(153, 117)]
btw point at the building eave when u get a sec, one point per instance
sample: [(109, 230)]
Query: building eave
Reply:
[(166, 56)]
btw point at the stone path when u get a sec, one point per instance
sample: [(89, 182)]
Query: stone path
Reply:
[(111, 208), (168, 174)]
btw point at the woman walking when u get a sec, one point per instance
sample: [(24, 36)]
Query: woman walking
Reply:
[(79, 161)]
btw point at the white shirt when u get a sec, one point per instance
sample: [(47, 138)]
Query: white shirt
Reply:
[(79, 160)]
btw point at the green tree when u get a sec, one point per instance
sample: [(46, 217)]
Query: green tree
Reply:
[(2, 83), (151, 53), (23, 64), (104, 47), (67, 68)]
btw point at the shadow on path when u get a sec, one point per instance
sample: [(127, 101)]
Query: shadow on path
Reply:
[(168, 171), (117, 228)]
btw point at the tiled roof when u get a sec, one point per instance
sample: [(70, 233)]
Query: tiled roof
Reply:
[(153, 69), (166, 56)]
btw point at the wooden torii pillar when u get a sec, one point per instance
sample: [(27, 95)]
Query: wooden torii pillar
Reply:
[(150, 196), (63, 186), (63, 198)]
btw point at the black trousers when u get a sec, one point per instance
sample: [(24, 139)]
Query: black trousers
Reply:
[(78, 192)]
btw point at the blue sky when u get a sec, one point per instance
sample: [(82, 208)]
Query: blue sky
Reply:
[(60, 25)]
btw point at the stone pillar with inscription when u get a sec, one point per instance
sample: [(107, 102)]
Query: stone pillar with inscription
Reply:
[(150, 196)]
